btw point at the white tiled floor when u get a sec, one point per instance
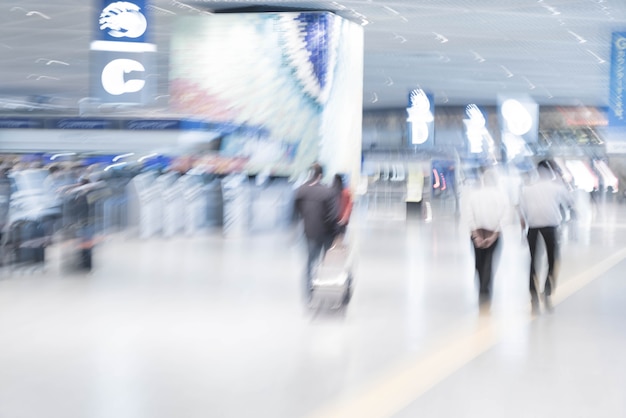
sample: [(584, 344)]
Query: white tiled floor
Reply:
[(215, 327)]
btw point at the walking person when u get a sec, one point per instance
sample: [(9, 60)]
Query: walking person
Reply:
[(318, 207), (541, 205), (345, 203), (483, 210)]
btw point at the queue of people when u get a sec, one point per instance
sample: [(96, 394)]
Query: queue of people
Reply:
[(43, 204)]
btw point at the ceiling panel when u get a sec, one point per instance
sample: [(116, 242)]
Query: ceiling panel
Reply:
[(463, 51)]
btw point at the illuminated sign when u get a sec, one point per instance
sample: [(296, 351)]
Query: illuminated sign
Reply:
[(114, 77), (519, 116), (420, 117), (519, 122), (121, 57), (125, 21), (516, 117), (478, 137), (475, 129), (618, 70)]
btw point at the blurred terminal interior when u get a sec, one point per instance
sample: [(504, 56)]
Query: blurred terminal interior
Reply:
[(218, 150), (200, 176), (225, 144)]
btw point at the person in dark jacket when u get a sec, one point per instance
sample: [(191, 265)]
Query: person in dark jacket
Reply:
[(318, 207)]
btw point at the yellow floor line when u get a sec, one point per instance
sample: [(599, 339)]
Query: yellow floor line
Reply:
[(574, 284), (399, 387)]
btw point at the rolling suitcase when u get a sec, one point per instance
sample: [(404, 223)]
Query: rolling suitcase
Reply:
[(29, 241), (333, 279)]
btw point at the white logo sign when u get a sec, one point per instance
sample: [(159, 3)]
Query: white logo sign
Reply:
[(114, 80), (518, 120), (123, 19), (419, 116)]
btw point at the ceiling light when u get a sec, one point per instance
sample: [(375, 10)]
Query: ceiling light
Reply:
[(40, 77), (530, 85), (49, 61), (580, 39), (30, 13), (395, 12), (35, 12), (160, 10), (401, 38), (600, 60), (147, 157), (477, 56), (108, 167), (552, 10), (119, 157), (440, 38), (64, 154), (508, 73)]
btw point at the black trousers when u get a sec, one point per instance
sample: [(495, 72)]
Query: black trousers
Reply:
[(484, 262), (548, 234), (316, 248)]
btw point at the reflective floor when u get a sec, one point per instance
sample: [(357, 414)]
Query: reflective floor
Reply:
[(209, 326)]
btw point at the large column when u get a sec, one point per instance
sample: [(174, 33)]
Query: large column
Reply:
[(296, 76)]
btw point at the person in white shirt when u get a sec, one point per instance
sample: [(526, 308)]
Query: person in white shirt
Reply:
[(541, 203), (484, 209)]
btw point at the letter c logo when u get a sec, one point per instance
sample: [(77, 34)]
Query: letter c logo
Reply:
[(113, 79)]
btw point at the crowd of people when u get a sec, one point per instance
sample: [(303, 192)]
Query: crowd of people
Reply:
[(43, 203), (485, 208), (325, 210)]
